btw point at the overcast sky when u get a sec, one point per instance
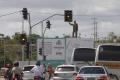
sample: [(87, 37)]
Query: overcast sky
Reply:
[(106, 12)]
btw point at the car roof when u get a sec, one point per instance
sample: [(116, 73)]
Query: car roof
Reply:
[(92, 66), (28, 65), (66, 65)]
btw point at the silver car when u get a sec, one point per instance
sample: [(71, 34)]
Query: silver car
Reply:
[(65, 72), (27, 74), (92, 73)]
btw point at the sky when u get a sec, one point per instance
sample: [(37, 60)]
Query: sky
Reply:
[(105, 12)]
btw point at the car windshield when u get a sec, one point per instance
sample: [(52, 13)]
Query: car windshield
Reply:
[(65, 69), (92, 70), (28, 68)]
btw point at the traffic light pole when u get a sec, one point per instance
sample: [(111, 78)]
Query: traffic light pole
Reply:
[(43, 32), (30, 32), (46, 19), (42, 42), (23, 52)]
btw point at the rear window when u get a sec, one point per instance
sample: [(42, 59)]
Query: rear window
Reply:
[(92, 70), (28, 68), (84, 54), (65, 69)]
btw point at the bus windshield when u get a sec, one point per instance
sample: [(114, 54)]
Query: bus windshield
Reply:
[(109, 53), (84, 54)]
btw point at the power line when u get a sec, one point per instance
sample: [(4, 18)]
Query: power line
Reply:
[(97, 15), (10, 13)]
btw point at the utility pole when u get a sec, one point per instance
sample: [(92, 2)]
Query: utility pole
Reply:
[(95, 31)]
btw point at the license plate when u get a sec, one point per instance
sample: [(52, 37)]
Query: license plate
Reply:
[(90, 78)]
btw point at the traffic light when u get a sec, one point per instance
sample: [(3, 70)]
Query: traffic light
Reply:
[(27, 49), (68, 17), (23, 39), (48, 24), (25, 13), (40, 51)]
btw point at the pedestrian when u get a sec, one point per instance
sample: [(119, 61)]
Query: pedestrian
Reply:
[(17, 72), (50, 71), (8, 73), (37, 71), (43, 69), (75, 29)]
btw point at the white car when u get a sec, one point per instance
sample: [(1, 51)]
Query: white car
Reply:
[(27, 74), (2, 71), (65, 72), (92, 73)]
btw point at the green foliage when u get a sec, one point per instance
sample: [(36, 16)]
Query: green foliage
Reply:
[(33, 38), (12, 48)]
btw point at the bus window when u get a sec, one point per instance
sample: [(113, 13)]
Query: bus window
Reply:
[(84, 54), (109, 53), (109, 56)]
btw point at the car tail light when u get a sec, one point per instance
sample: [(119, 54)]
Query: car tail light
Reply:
[(79, 78), (104, 78), (36, 77)]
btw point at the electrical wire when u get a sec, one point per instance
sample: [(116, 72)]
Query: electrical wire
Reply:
[(9, 13)]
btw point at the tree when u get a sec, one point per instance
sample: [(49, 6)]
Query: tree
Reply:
[(16, 38), (111, 37), (33, 38)]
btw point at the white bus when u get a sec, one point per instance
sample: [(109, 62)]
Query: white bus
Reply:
[(83, 56), (108, 55)]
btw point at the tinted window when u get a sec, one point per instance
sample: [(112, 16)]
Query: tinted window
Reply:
[(109, 53), (28, 68), (65, 69), (84, 54), (92, 70)]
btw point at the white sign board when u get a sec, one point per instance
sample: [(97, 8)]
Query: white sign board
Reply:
[(54, 49), (62, 48)]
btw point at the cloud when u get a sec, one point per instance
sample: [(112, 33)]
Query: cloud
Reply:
[(106, 13), (36, 3), (96, 7)]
